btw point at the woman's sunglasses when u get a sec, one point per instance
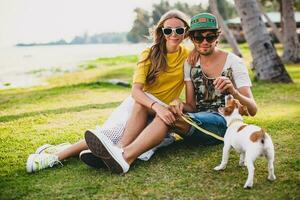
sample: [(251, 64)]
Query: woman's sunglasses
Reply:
[(169, 31), (208, 38)]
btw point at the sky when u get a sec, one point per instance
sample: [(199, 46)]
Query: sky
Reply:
[(25, 21)]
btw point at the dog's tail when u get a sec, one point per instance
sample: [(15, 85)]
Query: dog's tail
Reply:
[(258, 135)]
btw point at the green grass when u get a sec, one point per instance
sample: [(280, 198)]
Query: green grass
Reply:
[(120, 67), (77, 101)]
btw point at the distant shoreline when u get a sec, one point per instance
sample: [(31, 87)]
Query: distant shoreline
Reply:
[(65, 44), (30, 65), (101, 38)]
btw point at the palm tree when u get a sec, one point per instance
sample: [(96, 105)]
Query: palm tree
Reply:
[(266, 63), (227, 33), (291, 41), (275, 30)]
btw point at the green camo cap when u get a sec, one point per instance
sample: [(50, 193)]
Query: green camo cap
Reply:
[(203, 21)]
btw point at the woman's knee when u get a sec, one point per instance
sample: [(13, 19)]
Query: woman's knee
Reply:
[(137, 107), (158, 123), (157, 119)]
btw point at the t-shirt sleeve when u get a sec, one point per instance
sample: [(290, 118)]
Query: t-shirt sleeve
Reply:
[(142, 69), (187, 71), (240, 72)]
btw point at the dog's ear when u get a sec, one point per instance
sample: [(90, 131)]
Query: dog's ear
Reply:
[(237, 103), (230, 106), (230, 103), (229, 97), (243, 110), (228, 110)]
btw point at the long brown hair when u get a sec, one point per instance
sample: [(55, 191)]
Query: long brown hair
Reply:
[(158, 51)]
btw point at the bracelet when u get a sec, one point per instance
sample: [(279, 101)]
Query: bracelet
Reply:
[(154, 102)]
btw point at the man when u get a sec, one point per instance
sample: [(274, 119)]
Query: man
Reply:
[(210, 74)]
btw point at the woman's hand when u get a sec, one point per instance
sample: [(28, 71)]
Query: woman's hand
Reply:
[(223, 84), (176, 107), (164, 113)]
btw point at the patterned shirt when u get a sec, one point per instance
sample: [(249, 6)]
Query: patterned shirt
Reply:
[(207, 98)]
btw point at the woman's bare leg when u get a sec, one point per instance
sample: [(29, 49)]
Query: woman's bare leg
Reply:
[(151, 136), (135, 124), (73, 150)]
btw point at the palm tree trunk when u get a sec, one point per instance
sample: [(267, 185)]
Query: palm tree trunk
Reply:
[(291, 44), (266, 63), (275, 30), (227, 33)]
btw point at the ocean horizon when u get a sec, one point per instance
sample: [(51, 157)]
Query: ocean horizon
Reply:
[(18, 64)]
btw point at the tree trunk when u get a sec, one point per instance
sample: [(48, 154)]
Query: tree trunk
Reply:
[(275, 30), (266, 63), (227, 33), (291, 44)]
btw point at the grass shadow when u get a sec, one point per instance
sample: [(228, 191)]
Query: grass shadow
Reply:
[(8, 118), (59, 89), (23, 96)]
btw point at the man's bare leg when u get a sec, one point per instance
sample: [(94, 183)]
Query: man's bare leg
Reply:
[(73, 150)]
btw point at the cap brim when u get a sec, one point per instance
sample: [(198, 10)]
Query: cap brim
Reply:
[(201, 28)]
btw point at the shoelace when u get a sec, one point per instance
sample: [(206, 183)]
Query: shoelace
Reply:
[(48, 161), (55, 162)]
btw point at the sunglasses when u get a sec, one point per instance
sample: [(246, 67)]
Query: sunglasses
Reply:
[(208, 38), (169, 31)]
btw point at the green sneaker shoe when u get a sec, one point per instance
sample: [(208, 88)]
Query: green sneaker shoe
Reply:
[(52, 149), (36, 162)]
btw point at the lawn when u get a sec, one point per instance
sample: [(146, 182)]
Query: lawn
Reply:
[(71, 103)]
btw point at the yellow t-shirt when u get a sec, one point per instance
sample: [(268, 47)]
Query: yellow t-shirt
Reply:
[(168, 85)]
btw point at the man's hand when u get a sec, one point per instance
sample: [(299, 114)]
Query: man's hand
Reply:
[(223, 84)]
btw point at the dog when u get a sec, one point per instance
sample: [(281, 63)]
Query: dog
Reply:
[(250, 141)]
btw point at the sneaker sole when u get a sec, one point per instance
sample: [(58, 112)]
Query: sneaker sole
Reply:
[(91, 160), (29, 166), (99, 150)]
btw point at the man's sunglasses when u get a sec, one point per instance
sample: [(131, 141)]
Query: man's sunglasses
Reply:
[(208, 38), (169, 31)]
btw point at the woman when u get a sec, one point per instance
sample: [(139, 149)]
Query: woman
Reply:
[(159, 76), (159, 73), (210, 74)]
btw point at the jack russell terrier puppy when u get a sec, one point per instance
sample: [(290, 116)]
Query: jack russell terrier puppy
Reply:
[(249, 140)]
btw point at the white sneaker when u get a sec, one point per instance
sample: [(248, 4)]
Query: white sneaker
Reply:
[(91, 160), (111, 155), (52, 149), (36, 162)]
